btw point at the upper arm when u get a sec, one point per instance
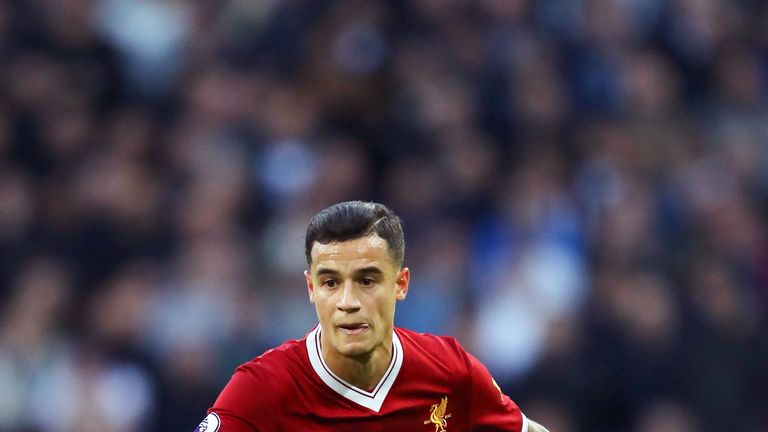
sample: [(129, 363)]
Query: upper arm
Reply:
[(491, 409), (246, 404)]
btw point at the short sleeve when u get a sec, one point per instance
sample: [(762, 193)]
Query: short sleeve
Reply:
[(220, 421), (246, 404), (491, 410)]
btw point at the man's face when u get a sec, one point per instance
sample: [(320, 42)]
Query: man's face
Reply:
[(354, 285)]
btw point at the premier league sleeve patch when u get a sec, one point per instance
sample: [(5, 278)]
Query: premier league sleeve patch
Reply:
[(209, 424)]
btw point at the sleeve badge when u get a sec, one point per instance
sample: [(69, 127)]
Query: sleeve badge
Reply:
[(209, 424)]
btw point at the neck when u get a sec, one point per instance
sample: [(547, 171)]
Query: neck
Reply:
[(363, 371)]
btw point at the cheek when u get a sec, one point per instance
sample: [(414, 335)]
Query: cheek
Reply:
[(385, 304), (322, 302)]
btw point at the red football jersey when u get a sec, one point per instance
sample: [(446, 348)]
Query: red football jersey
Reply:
[(431, 385)]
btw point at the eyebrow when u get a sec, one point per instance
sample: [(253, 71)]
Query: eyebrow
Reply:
[(327, 271), (369, 270)]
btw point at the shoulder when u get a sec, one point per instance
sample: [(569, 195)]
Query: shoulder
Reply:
[(441, 350), (281, 358), (448, 343), (261, 387), (265, 380)]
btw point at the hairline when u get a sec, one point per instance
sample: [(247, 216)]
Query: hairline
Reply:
[(370, 233)]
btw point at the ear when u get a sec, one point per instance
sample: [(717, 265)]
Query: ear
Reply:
[(403, 279), (310, 287)]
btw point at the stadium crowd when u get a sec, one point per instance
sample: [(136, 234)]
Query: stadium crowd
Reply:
[(583, 184)]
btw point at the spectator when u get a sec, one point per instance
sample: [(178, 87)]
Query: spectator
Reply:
[(584, 186)]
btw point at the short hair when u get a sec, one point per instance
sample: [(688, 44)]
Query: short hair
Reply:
[(351, 220)]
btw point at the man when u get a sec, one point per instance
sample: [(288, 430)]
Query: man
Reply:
[(355, 371)]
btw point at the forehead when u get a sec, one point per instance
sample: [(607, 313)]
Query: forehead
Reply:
[(363, 251)]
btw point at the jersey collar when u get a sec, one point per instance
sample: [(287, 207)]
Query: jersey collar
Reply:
[(369, 399)]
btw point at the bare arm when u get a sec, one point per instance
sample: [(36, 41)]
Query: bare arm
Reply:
[(535, 427)]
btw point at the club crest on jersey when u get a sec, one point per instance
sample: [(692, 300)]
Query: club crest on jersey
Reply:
[(437, 415), (209, 424)]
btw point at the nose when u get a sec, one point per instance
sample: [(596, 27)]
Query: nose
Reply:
[(348, 302)]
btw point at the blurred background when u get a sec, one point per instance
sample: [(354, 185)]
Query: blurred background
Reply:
[(584, 186)]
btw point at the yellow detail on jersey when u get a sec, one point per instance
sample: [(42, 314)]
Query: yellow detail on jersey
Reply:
[(437, 415), (495, 384)]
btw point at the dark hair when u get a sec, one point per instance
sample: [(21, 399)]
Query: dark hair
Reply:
[(355, 219)]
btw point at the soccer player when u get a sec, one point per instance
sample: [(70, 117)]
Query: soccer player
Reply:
[(355, 371)]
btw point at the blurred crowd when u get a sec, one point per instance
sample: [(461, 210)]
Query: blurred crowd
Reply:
[(583, 184)]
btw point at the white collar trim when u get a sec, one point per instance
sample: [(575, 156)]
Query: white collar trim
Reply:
[(371, 400)]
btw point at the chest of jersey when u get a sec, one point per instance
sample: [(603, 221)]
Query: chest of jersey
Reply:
[(418, 396), (406, 408)]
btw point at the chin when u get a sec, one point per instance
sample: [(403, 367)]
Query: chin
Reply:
[(354, 349)]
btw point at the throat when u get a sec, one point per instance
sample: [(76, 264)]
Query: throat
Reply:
[(363, 371), (363, 374)]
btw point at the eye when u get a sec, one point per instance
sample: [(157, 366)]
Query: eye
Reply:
[(330, 283), (367, 281)]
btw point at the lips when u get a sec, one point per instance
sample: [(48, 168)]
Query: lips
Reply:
[(353, 328)]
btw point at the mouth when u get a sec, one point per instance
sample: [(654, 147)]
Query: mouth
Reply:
[(354, 328)]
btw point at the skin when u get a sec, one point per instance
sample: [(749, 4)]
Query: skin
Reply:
[(354, 286)]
